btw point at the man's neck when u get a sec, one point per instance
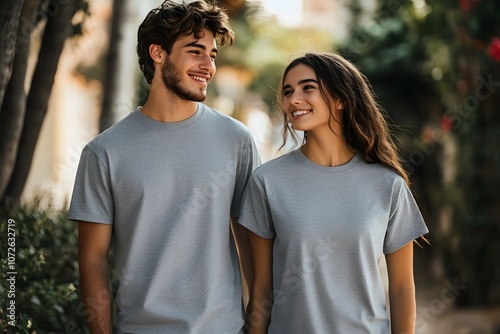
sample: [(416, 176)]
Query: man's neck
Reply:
[(164, 106)]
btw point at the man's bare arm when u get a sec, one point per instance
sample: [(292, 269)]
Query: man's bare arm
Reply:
[(242, 245), (94, 241)]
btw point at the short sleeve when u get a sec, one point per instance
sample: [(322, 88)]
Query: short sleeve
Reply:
[(405, 220), (247, 163), (255, 212), (92, 198)]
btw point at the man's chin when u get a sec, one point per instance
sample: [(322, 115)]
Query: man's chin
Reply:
[(192, 97), (200, 97)]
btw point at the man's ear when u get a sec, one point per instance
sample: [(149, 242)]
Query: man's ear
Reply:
[(156, 53)]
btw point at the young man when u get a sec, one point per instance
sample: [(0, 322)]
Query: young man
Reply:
[(161, 186)]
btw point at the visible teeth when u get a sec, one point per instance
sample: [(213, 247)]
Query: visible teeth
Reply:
[(199, 78), (300, 112)]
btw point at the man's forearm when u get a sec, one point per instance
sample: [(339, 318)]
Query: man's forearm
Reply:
[(242, 245), (96, 296)]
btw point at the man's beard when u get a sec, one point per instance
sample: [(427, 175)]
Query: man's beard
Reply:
[(171, 79)]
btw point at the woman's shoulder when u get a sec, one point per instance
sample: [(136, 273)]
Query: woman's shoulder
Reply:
[(381, 172)]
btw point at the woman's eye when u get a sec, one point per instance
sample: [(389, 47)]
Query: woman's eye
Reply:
[(287, 93), (308, 87)]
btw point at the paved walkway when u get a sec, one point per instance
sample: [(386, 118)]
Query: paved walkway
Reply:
[(437, 315)]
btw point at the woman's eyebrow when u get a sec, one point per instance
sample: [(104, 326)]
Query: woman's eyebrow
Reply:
[(303, 81)]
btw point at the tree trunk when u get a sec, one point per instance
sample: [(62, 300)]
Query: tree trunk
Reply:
[(121, 65), (10, 12), (58, 28), (14, 104)]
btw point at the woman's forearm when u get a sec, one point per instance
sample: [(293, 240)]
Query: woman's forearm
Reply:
[(258, 314)]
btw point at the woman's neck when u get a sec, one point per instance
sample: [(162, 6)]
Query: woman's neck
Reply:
[(327, 150)]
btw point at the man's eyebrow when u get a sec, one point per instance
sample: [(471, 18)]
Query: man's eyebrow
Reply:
[(301, 82), (201, 46)]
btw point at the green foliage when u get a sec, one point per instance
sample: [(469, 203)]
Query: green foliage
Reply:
[(472, 243), (47, 286), (435, 68)]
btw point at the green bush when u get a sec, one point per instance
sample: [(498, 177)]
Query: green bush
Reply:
[(47, 296)]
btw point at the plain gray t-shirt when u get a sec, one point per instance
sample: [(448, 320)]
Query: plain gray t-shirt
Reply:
[(169, 190), (331, 227)]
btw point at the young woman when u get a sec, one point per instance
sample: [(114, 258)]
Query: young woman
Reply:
[(321, 217)]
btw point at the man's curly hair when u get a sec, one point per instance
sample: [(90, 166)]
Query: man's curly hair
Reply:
[(165, 24)]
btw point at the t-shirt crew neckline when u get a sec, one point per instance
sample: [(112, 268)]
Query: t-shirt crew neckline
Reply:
[(330, 170), (152, 123)]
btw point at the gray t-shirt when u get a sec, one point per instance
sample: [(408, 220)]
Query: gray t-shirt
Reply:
[(169, 190), (331, 227)]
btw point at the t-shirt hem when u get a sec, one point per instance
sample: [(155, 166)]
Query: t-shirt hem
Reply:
[(90, 218), (262, 234), (400, 245)]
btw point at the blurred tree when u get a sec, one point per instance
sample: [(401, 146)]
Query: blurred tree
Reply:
[(22, 113), (436, 68), (13, 108), (9, 13), (121, 74)]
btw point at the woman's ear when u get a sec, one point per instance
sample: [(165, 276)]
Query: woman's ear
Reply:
[(339, 105), (156, 53)]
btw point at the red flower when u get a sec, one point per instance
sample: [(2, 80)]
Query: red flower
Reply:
[(446, 123), (494, 49), (465, 5)]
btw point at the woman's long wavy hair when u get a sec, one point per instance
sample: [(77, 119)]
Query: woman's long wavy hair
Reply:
[(171, 20), (363, 123)]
